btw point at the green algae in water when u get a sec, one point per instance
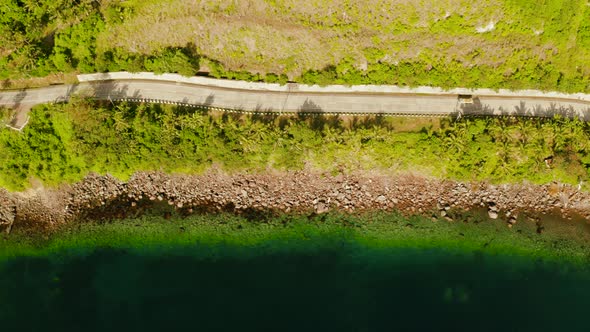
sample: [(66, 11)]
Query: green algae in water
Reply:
[(293, 273), (561, 241), (335, 286)]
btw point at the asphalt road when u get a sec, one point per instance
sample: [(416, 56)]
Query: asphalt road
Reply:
[(292, 99)]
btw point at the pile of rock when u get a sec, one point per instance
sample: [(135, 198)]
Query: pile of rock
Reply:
[(95, 190), (7, 211), (302, 192)]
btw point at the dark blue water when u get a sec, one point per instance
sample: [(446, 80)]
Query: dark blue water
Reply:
[(325, 289)]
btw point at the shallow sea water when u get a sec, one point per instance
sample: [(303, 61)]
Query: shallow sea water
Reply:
[(332, 287)]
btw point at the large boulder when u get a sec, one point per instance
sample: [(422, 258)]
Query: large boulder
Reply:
[(493, 214)]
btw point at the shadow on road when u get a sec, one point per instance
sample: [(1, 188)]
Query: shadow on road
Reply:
[(71, 92), (20, 96), (112, 91), (265, 115), (185, 106), (525, 110), (371, 121), (314, 116)]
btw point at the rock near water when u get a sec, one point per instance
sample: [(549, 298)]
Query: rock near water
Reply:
[(303, 192)]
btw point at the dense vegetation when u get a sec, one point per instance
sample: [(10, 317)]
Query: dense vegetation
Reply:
[(41, 37), (531, 45), (64, 142), (275, 233), (6, 116)]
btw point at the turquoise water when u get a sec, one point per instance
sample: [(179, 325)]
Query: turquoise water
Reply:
[(336, 286)]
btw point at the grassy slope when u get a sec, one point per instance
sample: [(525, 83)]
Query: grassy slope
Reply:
[(542, 44), (65, 142), (534, 44)]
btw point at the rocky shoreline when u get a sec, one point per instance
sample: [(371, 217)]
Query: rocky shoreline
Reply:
[(98, 197)]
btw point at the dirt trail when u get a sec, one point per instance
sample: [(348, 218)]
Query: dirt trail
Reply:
[(98, 197)]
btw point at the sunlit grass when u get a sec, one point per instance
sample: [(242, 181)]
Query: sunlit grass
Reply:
[(63, 143)]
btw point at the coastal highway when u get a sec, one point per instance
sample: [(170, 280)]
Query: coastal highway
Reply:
[(295, 98)]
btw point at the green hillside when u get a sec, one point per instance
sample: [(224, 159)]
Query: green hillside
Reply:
[(494, 43)]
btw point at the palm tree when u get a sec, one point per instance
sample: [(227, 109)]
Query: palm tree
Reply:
[(576, 135), (554, 136), (525, 131), (455, 143), (119, 122), (504, 152), (500, 130)]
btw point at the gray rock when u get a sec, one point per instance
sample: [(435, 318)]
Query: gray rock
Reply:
[(321, 207)]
